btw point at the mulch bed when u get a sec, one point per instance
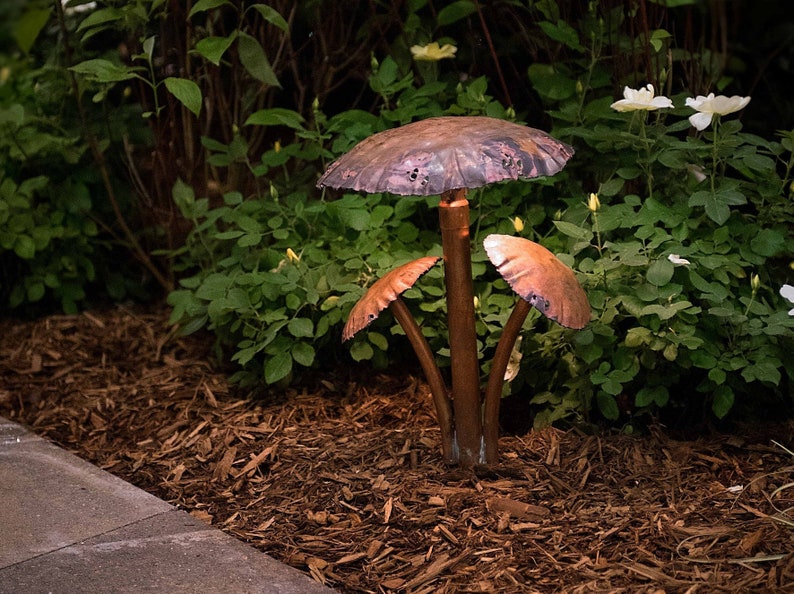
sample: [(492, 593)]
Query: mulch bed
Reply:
[(345, 481)]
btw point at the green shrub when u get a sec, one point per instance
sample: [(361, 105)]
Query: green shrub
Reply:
[(47, 239), (682, 261)]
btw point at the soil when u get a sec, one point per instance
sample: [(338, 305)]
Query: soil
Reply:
[(345, 480)]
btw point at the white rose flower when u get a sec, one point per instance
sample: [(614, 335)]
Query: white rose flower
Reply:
[(709, 106), (641, 99)]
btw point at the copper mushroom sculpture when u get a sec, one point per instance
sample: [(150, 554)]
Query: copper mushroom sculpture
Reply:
[(448, 156)]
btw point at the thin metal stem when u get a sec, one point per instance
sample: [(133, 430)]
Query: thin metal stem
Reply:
[(466, 399), (493, 391), (433, 375)]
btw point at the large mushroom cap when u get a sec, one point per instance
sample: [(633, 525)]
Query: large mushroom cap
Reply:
[(439, 154), (540, 278), (383, 291)]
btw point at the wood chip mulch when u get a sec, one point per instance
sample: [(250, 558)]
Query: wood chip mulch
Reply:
[(345, 481)]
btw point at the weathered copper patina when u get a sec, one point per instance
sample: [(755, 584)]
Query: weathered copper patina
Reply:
[(444, 153), (383, 292), (540, 278)]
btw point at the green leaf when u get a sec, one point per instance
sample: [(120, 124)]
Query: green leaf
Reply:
[(764, 371), (608, 406), (562, 32), (205, 5), (14, 115), (25, 247), (550, 83), (723, 401), (378, 340), (213, 48), (303, 354), (660, 272), (767, 242), (301, 327), (717, 204), (103, 71), (455, 11), (611, 187), (272, 16), (255, 60), (249, 240), (361, 351), (665, 312), (184, 197), (29, 26), (36, 291), (574, 231), (656, 395), (276, 116), (278, 367), (101, 17), (186, 92)]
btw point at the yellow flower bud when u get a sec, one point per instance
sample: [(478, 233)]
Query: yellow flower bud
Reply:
[(518, 224), (476, 303), (755, 283), (277, 146), (292, 256), (593, 203)]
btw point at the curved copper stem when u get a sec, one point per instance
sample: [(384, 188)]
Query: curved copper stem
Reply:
[(433, 375), (493, 391)]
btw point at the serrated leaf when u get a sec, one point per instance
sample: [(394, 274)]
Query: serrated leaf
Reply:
[(186, 92), (767, 242), (103, 71)]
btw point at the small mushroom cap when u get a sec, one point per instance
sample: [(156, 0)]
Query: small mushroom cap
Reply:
[(439, 154), (383, 291), (540, 278)]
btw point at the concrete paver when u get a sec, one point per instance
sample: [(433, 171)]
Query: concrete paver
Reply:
[(68, 526)]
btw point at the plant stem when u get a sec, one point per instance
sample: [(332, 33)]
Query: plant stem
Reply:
[(143, 257), (455, 242), (433, 375), (493, 391)]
